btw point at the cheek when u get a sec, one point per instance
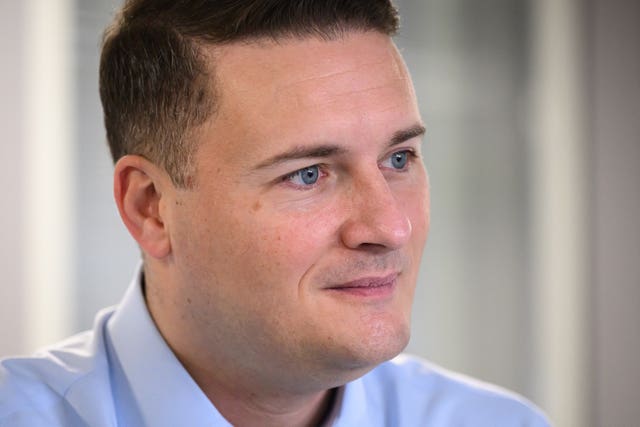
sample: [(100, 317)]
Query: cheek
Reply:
[(296, 240), (266, 248)]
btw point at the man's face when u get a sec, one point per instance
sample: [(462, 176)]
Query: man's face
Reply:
[(298, 249)]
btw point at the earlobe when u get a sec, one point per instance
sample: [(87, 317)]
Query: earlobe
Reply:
[(137, 188)]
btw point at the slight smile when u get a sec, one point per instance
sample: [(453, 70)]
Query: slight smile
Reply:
[(368, 287)]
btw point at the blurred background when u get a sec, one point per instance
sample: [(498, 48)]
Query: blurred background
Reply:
[(531, 276)]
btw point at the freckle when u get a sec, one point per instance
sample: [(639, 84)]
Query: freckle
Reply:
[(188, 300), (257, 206)]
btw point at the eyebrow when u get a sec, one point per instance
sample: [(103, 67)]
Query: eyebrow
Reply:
[(328, 150), (407, 134), (300, 152)]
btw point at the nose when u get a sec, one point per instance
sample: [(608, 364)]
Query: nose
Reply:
[(376, 218)]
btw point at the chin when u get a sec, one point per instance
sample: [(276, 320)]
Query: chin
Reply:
[(375, 347), (347, 358), (381, 350)]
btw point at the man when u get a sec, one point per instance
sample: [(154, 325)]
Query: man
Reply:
[(268, 165)]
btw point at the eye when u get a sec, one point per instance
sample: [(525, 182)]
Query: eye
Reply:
[(398, 160), (304, 177)]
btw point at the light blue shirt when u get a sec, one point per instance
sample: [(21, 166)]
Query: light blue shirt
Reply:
[(122, 373)]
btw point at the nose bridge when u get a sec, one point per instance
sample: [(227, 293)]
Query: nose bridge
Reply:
[(376, 216)]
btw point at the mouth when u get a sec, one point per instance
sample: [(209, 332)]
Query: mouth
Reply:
[(368, 287)]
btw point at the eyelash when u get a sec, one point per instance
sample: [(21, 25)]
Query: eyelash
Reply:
[(411, 157), (321, 174)]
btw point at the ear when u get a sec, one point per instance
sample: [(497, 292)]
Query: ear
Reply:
[(138, 188)]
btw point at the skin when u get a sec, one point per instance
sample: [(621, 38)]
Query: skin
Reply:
[(250, 274)]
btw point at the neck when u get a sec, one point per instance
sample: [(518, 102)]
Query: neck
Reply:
[(261, 411), (243, 407)]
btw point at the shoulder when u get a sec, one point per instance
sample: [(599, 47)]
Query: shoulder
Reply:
[(425, 391), (51, 387)]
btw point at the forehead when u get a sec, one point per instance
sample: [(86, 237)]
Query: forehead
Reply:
[(314, 67), (306, 62), (295, 90)]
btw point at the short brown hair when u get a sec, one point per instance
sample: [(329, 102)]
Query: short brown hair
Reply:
[(155, 83)]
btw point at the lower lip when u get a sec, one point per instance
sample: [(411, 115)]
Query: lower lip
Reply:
[(380, 291)]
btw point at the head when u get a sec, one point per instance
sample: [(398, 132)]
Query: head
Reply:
[(268, 164)]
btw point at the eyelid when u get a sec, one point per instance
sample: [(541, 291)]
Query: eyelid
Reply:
[(287, 178), (412, 155)]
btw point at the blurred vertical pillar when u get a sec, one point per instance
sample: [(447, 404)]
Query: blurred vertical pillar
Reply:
[(615, 67), (11, 180), (559, 206), (48, 170)]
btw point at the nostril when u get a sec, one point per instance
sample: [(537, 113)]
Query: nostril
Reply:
[(373, 247)]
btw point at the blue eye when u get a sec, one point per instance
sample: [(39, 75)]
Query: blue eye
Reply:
[(310, 175), (399, 160), (305, 177)]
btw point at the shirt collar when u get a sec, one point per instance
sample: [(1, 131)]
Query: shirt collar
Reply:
[(164, 392)]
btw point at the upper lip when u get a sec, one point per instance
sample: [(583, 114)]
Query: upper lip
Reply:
[(367, 282)]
